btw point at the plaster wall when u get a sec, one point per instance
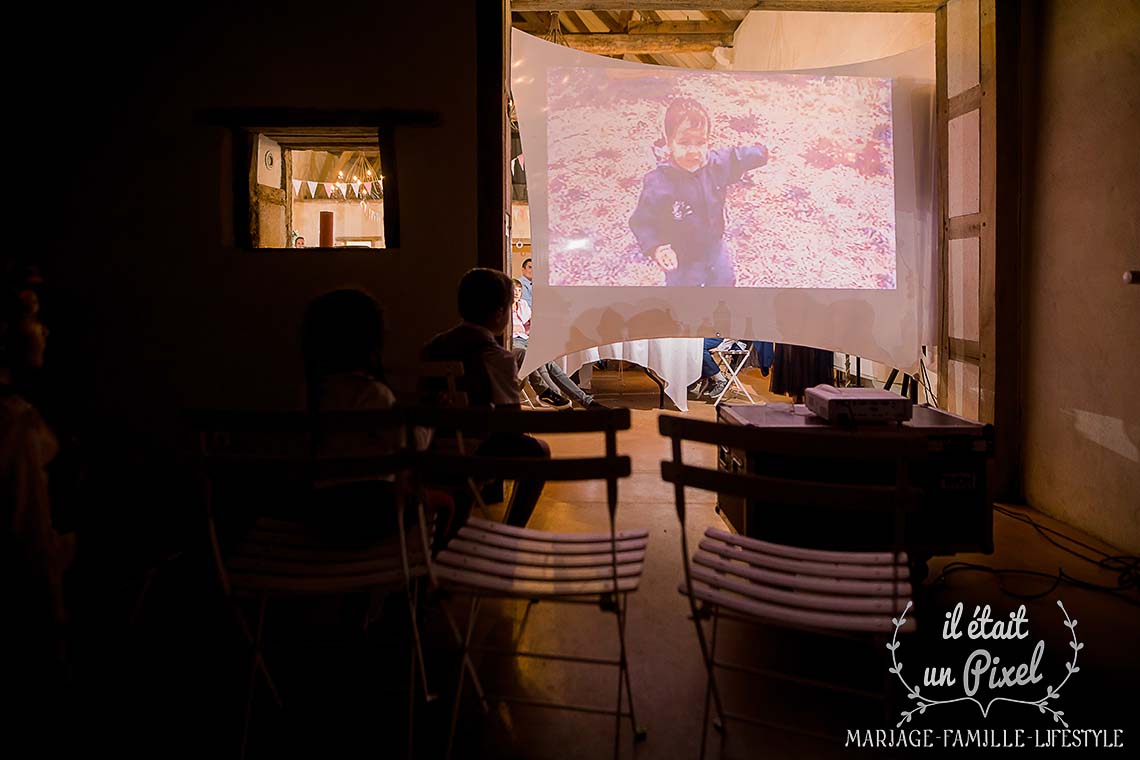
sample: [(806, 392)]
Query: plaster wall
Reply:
[(1081, 230)]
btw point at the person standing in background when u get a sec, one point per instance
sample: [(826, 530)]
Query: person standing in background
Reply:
[(527, 283)]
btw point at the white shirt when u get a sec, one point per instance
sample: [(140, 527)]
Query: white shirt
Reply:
[(521, 315)]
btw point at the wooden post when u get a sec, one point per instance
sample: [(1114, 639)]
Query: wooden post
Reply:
[(327, 239)]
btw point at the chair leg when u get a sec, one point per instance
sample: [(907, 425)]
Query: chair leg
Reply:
[(412, 703), (639, 732), (260, 660), (255, 664), (712, 671), (712, 693), (411, 592), (465, 665)]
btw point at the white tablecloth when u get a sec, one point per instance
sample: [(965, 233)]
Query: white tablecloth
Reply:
[(677, 361)]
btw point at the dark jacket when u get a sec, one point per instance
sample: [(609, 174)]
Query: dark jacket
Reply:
[(686, 210)]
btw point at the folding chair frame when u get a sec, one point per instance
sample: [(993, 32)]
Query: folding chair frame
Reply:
[(614, 601), (724, 359), (678, 430), (364, 467)]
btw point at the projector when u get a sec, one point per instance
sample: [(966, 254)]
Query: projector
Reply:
[(851, 405)]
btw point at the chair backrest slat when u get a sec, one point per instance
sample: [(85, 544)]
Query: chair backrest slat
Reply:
[(805, 468), (794, 493), (482, 421), (526, 468), (892, 442)]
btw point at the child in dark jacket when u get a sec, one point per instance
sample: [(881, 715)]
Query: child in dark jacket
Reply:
[(679, 219)]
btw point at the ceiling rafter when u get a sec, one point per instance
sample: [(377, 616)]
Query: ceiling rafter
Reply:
[(850, 6), (611, 44)]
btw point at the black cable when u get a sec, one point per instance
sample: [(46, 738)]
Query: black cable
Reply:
[(1127, 567), (926, 382)]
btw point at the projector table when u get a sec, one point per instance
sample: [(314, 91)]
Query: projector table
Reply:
[(956, 514)]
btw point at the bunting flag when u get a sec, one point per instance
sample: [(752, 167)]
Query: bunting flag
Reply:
[(363, 190)]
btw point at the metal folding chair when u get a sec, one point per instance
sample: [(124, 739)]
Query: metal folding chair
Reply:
[(281, 557), (844, 593), (494, 560), (731, 360)]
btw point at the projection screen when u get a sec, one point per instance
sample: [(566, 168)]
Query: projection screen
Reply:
[(794, 207)]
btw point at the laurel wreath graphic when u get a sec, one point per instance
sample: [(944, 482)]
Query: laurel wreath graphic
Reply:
[(923, 701)]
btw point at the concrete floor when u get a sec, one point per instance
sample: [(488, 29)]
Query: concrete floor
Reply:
[(172, 682)]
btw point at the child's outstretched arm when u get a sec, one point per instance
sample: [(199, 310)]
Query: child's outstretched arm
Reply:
[(731, 163)]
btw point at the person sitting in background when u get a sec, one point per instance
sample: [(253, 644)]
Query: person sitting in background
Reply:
[(711, 375), (712, 379), (538, 379), (490, 377), (342, 343), (299, 241), (33, 554), (548, 376)]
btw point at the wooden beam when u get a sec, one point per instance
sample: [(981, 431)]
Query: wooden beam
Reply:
[(612, 22), (574, 23), (849, 6), (968, 351), (987, 249), (611, 44), (942, 132), (1012, 71), (685, 27), (964, 102), (962, 227)]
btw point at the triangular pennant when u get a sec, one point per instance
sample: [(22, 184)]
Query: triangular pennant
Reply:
[(358, 187), (367, 188), (312, 189), (329, 187), (343, 187), (296, 187)]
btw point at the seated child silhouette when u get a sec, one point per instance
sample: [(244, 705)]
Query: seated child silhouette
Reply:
[(679, 219)]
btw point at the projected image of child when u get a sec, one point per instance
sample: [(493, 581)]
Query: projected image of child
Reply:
[(679, 219)]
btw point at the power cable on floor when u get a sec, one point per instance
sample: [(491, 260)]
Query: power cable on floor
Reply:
[(1127, 567)]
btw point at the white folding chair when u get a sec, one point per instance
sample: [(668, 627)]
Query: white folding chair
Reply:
[(733, 577), (280, 557), (494, 560), (731, 359)]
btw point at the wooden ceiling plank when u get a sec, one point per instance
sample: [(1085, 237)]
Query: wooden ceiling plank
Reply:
[(611, 21), (609, 44), (685, 27), (880, 6), (573, 23)]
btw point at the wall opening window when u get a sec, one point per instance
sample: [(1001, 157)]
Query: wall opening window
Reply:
[(317, 189)]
